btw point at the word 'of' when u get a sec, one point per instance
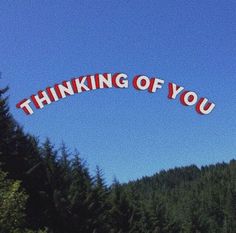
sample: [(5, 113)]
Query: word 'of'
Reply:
[(107, 80)]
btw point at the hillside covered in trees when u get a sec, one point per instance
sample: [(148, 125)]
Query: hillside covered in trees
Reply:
[(48, 189)]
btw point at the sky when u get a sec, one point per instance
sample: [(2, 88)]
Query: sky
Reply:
[(127, 133)]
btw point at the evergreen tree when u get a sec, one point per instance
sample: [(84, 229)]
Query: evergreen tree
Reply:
[(121, 211), (99, 204), (79, 194), (7, 137)]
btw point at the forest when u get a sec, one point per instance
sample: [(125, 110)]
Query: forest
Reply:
[(49, 189)]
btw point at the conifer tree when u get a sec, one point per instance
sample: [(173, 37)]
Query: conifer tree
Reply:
[(99, 204), (121, 211)]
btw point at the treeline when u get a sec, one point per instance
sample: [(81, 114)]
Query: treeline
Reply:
[(45, 189), (189, 199)]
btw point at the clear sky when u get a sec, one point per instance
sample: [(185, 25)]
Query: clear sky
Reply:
[(127, 133)]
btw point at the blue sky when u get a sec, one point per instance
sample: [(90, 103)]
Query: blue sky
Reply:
[(127, 133)]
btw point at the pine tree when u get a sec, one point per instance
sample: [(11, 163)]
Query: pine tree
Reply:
[(79, 194), (121, 212), (7, 137), (99, 204), (51, 192)]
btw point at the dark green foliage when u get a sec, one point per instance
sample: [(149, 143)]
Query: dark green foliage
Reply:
[(203, 201), (49, 188), (121, 211)]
